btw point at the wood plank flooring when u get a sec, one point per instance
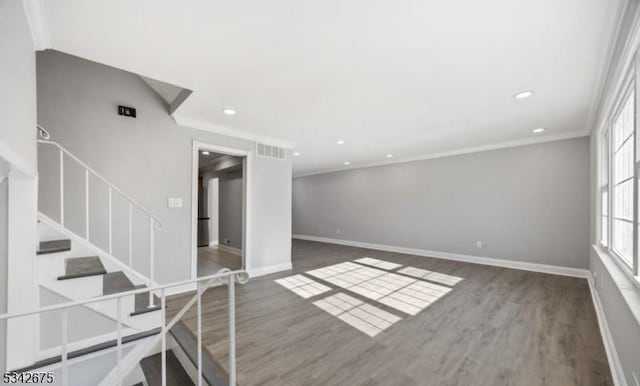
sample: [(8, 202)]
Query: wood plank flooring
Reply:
[(495, 327), (211, 260)]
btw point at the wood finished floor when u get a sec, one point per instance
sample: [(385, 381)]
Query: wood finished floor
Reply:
[(496, 327), (212, 259)]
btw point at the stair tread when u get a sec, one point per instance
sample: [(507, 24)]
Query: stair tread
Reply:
[(114, 282), (212, 372), (76, 267), (152, 369), (54, 246), (90, 350)]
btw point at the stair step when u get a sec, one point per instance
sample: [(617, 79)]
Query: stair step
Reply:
[(142, 303), (114, 282), (152, 369), (212, 372), (54, 246), (90, 350), (75, 267)]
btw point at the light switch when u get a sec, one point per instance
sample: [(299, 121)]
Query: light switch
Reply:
[(174, 203)]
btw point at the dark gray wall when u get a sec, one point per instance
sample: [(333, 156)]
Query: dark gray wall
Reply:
[(149, 158), (230, 208), (528, 203)]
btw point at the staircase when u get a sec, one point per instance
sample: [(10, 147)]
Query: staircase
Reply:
[(87, 276)]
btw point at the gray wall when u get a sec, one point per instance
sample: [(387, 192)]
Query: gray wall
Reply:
[(528, 203), (230, 208), (3, 268), (623, 325), (149, 158)]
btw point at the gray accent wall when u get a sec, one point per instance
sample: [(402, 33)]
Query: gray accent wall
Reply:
[(150, 158), (4, 213), (527, 203), (230, 208)]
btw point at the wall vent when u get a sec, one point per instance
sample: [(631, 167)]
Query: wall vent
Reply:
[(268, 151)]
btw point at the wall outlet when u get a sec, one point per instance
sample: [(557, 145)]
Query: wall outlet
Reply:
[(480, 244), (227, 241), (174, 203), (338, 231)]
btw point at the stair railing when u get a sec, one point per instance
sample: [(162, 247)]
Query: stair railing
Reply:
[(154, 223), (124, 367)]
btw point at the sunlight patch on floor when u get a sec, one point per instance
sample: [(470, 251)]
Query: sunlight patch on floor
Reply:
[(367, 318), (408, 290), (303, 286)]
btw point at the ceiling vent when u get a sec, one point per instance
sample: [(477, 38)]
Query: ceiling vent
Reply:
[(268, 151)]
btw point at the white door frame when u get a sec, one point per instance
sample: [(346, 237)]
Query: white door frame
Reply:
[(246, 179)]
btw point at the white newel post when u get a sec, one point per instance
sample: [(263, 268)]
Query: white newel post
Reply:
[(22, 284)]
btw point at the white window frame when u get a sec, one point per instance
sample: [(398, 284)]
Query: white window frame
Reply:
[(606, 139)]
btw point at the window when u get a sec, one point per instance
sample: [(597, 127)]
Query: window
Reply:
[(619, 221)]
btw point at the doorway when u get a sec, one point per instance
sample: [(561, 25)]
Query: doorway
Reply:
[(220, 179)]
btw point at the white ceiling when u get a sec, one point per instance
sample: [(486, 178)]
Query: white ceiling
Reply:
[(413, 78)]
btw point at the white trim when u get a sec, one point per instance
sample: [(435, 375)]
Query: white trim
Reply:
[(213, 243), (533, 267), (617, 373), (261, 271), (37, 19), (230, 249), (230, 131), (196, 147), (469, 150), (606, 63), (618, 70)]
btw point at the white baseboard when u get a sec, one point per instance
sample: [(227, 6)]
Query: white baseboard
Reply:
[(232, 250), (617, 373), (213, 243), (255, 272), (534, 267)]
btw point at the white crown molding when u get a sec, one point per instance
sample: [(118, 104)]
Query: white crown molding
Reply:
[(606, 63), (477, 149), (37, 20), (618, 68), (231, 132), (513, 264)]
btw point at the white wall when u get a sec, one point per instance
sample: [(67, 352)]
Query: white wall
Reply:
[(18, 149), (528, 203), (150, 159)]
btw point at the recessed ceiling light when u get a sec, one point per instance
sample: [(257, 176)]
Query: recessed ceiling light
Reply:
[(389, 155), (295, 154), (340, 142), (205, 153), (538, 130), (523, 94), (229, 111), (346, 162)]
